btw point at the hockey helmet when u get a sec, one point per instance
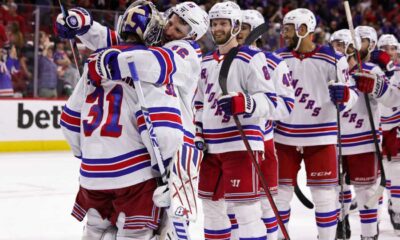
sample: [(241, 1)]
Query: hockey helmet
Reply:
[(368, 33), (344, 35), (142, 19), (193, 15), (299, 17), (227, 10), (387, 40), (252, 17)]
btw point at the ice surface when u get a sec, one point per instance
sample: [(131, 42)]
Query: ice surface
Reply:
[(37, 192)]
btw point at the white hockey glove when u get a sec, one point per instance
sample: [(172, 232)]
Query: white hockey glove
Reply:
[(78, 23)]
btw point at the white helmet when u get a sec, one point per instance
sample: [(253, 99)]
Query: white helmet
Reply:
[(369, 33), (387, 40), (299, 17), (252, 17), (227, 10), (193, 15), (344, 35)]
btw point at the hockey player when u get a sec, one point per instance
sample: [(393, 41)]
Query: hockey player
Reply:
[(279, 74), (359, 157), (390, 120), (187, 22), (104, 125), (310, 132), (227, 174)]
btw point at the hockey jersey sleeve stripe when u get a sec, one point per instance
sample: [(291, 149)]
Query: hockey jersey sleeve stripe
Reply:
[(272, 97), (167, 64), (395, 118), (271, 64), (198, 105), (243, 56), (71, 120), (268, 127), (289, 103), (111, 38), (161, 117)]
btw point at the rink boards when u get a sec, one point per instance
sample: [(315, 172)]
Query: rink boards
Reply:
[(31, 125)]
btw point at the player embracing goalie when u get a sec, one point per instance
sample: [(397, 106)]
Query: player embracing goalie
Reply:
[(168, 77)]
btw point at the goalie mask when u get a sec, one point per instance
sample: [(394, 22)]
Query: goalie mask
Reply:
[(142, 19)]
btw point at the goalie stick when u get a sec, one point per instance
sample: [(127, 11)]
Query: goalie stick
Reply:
[(382, 184), (180, 226), (222, 79), (72, 42)]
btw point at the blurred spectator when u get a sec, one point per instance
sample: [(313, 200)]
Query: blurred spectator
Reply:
[(3, 35), (47, 72), (6, 88), (23, 84), (13, 17), (15, 36)]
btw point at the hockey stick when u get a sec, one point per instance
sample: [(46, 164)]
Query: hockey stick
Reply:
[(302, 198), (222, 79), (340, 156), (180, 226), (375, 198), (72, 42)]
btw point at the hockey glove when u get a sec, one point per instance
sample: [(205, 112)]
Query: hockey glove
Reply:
[(198, 139), (78, 23), (339, 92), (370, 83), (237, 103), (382, 59), (103, 65)]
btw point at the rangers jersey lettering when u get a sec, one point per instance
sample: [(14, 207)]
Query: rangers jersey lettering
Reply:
[(313, 119)]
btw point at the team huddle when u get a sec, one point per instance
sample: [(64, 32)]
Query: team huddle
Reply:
[(155, 133)]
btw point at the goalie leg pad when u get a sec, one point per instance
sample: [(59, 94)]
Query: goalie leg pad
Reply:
[(183, 183)]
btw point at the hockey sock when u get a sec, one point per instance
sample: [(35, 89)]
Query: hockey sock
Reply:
[(285, 195), (325, 211), (347, 201), (216, 222), (125, 233), (248, 216), (269, 220), (393, 172), (368, 217), (95, 225), (234, 224)]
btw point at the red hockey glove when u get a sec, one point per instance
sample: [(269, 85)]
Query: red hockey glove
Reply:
[(370, 83), (382, 59), (237, 103)]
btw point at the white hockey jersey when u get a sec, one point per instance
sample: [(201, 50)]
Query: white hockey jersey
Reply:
[(248, 73), (187, 55), (280, 75), (390, 116), (313, 119), (356, 135), (106, 130)]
